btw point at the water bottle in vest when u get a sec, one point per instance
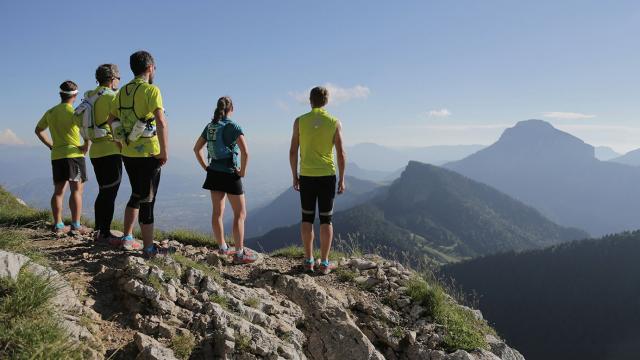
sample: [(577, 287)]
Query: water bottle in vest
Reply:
[(137, 130), (215, 141), (99, 133), (118, 131)]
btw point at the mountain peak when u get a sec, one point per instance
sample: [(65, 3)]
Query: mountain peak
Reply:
[(534, 123), (541, 141)]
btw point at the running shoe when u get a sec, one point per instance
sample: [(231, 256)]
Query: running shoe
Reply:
[(108, 240), (227, 251), (128, 243), (80, 230), (326, 267), (158, 251), (246, 257), (308, 265), (60, 231)]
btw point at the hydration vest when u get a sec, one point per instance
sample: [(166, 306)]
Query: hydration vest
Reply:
[(89, 129), (216, 147), (134, 127)]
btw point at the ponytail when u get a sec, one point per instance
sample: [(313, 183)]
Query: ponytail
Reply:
[(223, 108)]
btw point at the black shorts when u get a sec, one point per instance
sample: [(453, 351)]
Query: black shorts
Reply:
[(224, 182), (320, 190), (69, 169)]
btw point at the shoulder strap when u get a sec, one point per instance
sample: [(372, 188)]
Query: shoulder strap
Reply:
[(133, 99)]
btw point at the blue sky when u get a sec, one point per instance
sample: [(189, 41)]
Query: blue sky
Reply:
[(408, 73)]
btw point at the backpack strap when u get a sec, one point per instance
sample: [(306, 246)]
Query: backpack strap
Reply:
[(93, 107), (133, 100)]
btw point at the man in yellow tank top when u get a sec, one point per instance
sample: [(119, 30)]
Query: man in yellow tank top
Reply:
[(315, 134)]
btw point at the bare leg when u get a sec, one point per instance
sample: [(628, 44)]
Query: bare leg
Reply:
[(56, 201), (217, 200), (239, 215), (75, 200), (130, 216), (326, 237), (306, 232), (147, 234)]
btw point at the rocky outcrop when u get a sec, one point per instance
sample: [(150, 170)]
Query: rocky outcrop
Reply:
[(72, 313), (269, 311)]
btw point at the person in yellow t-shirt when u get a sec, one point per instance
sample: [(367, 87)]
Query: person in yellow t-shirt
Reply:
[(139, 101), (67, 157), (105, 154), (315, 134)]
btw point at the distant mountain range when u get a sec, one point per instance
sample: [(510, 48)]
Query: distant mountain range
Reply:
[(631, 158), (573, 301), (605, 153), (558, 174), (383, 158), (430, 213)]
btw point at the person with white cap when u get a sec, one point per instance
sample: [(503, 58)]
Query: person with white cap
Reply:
[(67, 157)]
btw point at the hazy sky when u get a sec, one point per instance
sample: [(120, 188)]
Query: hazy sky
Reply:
[(402, 73)]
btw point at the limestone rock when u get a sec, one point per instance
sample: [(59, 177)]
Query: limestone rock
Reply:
[(151, 349), (11, 263)]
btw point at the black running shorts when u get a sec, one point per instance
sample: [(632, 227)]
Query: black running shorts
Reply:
[(69, 169), (320, 191), (224, 182)]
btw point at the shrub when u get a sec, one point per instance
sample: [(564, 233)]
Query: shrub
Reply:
[(183, 344), (463, 329), (221, 300)]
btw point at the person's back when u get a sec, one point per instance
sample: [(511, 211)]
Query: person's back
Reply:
[(104, 152), (67, 157), (315, 134), (138, 110), (65, 132), (317, 131)]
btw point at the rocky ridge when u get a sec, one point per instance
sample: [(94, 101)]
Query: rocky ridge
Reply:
[(270, 310)]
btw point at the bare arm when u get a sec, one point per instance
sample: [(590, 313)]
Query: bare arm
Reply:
[(197, 149), (42, 135), (293, 155), (163, 132), (342, 157), (244, 153)]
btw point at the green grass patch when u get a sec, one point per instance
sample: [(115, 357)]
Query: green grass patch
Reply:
[(253, 302), (167, 268), (155, 282), (346, 275), (297, 252), (243, 342), (190, 237), (206, 269), (183, 345), (398, 332), (221, 300), (13, 213), (18, 242), (463, 330), (30, 328)]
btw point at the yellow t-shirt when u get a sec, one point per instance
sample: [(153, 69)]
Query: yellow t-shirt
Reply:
[(104, 146), (317, 130), (65, 131), (147, 100)]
